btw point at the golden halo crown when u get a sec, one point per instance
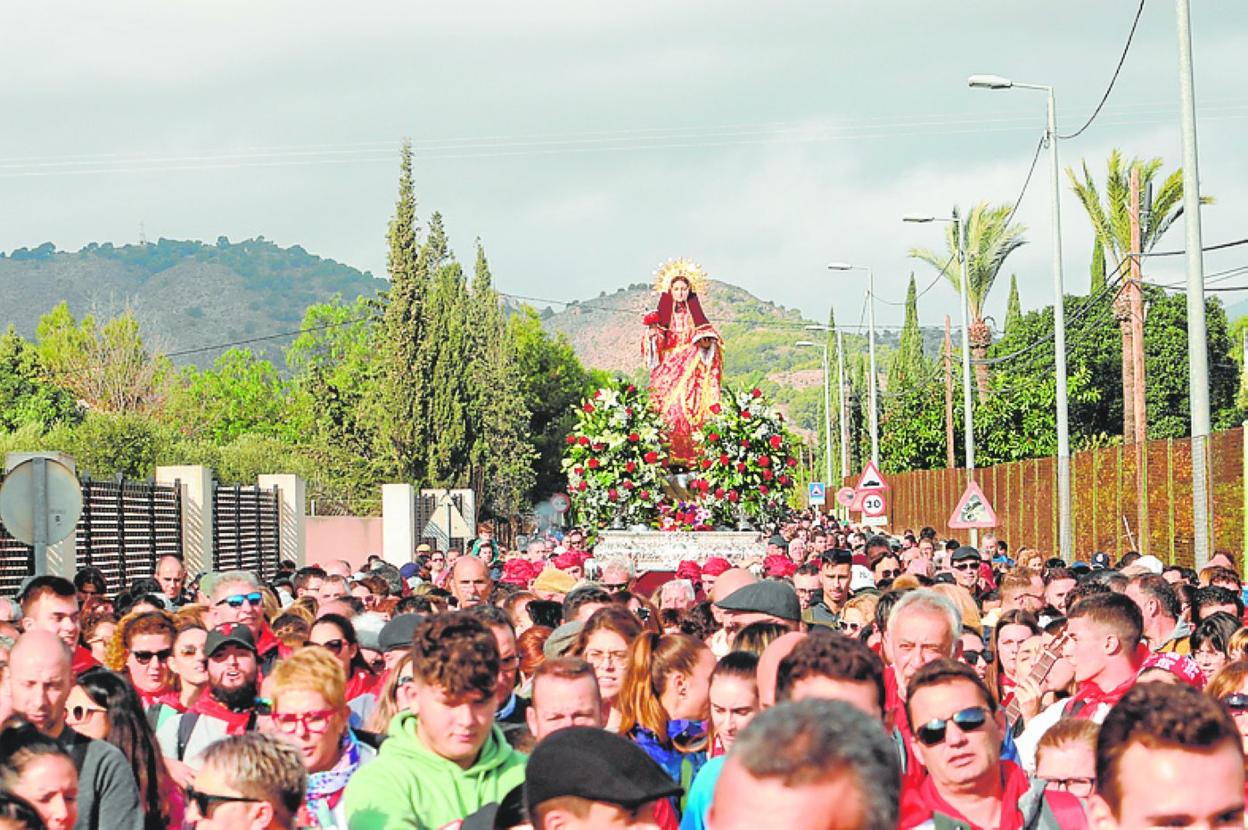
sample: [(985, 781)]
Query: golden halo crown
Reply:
[(687, 268)]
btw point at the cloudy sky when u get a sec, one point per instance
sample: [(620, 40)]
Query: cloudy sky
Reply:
[(585, 142)]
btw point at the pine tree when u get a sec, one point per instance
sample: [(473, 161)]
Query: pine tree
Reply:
[(1013, 308), (400, 402)]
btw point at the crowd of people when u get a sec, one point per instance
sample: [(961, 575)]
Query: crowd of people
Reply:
[(842, 679)]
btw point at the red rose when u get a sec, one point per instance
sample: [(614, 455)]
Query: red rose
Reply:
[(719, 492), (630, 466), (628, 410), (723, 459), (645, 495), (745, 443), (764, 461), (582, 486), (784, 481), (651, 457), (756, 392), (611, 494), (588, 407), (732, 496), (593, 463), (583, 441), (580, 471), (597, 394), (632, 388), (792, 462), (634, 437), (741, 467), (745, 414), (762, 488), (651, 319), (571, 439), (714, 436), (776, 441), (598, 447), (768, 475), (706, 463), (716, 409), (628, 484)]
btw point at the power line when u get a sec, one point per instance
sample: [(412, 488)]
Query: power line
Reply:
[(1218, 247), (1121, 59)]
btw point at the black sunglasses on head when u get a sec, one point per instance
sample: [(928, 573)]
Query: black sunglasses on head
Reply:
[(968, 720)]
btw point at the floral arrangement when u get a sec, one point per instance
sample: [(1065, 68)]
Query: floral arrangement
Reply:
[(748, 463), (614, 458), (651, 319), (684, 516)]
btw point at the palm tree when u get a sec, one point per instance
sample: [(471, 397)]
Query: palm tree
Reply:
[(1111, 222), (990, 239)]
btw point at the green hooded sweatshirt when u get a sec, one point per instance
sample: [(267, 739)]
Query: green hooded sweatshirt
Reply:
[(408, 786)]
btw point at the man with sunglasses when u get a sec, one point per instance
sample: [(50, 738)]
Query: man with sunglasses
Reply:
[(249, 782), (958, 740), (966, 562), (235, 597), (230, 706)]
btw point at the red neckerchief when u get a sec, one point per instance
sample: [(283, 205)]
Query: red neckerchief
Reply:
[(82, 660), (918, 804), (236, 722), (266, 641), (168, 697), (1007, 685), (895, 706), (361, 682)]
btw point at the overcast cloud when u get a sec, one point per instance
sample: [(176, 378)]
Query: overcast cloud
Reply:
[(585, 142)]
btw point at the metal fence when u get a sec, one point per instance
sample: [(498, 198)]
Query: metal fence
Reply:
[(246, 529), (125, 526), (1106, 509)]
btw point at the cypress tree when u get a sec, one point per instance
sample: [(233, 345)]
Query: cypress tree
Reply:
[(401, 400), (446, 346), (908, 366), (1013, 308)]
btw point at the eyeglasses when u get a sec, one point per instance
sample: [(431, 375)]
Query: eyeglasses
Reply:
[(972, 657), (890, 573), (289, 722), (253, 599), (1079, 787), (968, 720), (614, 587), (204, 802), (145, 657), (967, 565), (80, 713), (1237, 703), (606, 658), (335, 646)]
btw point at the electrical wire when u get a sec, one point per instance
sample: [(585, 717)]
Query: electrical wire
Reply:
[(1205, 249), (1121, 60)]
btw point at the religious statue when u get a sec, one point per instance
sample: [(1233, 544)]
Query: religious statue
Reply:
[(682, 352)]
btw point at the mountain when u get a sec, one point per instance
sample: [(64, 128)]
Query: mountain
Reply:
[(186, 294)]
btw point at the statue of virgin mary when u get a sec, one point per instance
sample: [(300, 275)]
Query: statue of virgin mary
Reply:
[(682, 351)]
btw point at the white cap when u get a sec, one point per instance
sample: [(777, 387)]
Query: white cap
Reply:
[(860, 577), (1149, 564)]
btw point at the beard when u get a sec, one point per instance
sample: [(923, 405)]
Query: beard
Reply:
[(239, 699)]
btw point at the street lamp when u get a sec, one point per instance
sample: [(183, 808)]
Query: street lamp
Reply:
[(827, 409), (968, 416), (1066, 539), (873, 416), (842, 403)]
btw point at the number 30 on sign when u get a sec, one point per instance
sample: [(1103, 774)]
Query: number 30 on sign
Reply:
[(874, 504)]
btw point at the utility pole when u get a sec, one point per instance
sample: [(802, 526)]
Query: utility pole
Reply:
[(951, 460), (1197, 336), (844, 404), (1138, 406), (874, 420)]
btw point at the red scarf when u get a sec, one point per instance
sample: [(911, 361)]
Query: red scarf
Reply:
[(1090, 696), (266, 641), (236, 723), (82, 660), (168, 697), (919, 804), (362, 682)]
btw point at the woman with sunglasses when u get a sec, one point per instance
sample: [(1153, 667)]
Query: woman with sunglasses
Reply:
[(189, 664), (336, 634), (40, 772), (103, 706), (604, 643), (310, 712), (1012, 630), (142, 649), (1230, 687)]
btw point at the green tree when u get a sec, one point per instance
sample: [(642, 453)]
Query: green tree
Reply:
[(1013, 308), (989, 242), (402, 396), (26, 395), (912, 428), (908, 366), (239, 394), (445, 351)]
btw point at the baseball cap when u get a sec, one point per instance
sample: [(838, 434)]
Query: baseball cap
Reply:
[(398, 632), (778, 541), (1100, 560), (562, 639), (1149, 564), (596, 765), (776, 599), (860, 578), (229, 634), (964, 553), (424, 548)]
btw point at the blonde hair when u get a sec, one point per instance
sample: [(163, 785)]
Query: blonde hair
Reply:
[(652, 660), (1228, 679), (263, 768), (304, 608), (1069, 731), (311, 669), (866, 603), (1238, 644), (387, 704), (965, 603)]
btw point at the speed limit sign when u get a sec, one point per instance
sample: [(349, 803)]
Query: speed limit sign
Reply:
[(874, 504)]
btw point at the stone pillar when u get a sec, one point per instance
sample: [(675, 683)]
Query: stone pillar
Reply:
[(290, 502), (398, 523), (196, 484)]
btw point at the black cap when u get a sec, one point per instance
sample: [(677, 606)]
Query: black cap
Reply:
[(229, 634), (966, 552), (596, 765), (775, 598), (398, 632), (778, 541)]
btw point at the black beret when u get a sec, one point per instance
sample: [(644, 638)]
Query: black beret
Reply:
[(595, 765), (965, 552), (777, 599), (398, 632)]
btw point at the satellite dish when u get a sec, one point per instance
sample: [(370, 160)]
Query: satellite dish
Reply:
[(40, 497)]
